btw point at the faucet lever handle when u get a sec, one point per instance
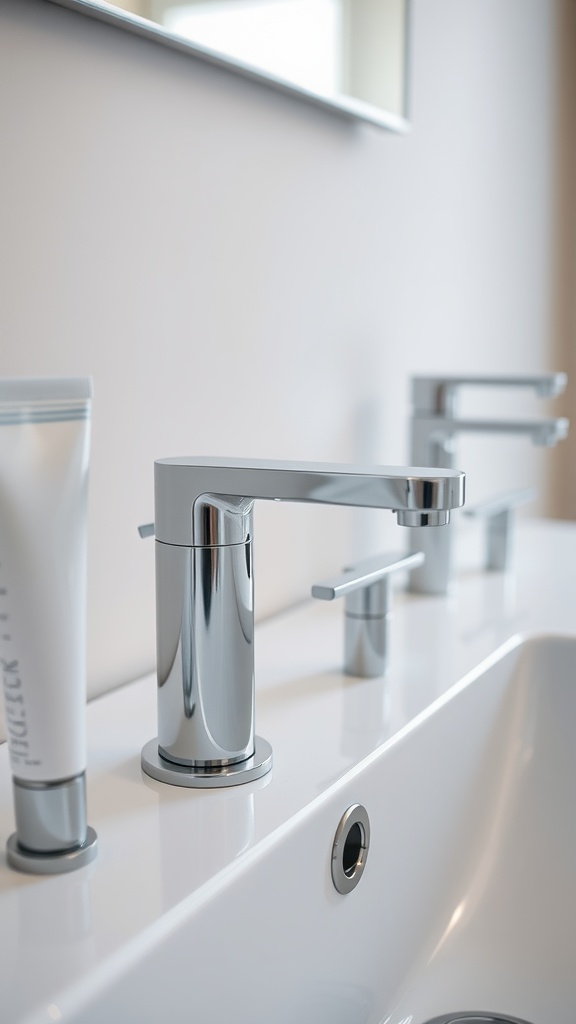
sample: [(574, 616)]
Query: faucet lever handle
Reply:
[(146, 530), (499, 515), (365, 574), (367, 590)]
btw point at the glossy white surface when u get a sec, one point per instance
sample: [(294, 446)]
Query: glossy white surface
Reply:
[(215, 906)]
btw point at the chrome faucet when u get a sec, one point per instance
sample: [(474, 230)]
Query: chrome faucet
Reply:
[(204, 595), (434, 427)]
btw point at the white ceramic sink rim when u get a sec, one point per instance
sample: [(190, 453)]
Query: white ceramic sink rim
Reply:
[(346, 966)]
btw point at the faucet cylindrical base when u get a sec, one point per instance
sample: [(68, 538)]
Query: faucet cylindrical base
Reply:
[(157, 767)]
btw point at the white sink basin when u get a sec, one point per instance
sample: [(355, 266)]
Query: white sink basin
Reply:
[(467, 901)]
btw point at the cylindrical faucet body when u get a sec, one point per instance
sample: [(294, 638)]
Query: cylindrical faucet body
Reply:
[(205, 638), (366, 620)]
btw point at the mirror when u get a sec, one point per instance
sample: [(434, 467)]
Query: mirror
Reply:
[(347, 55)]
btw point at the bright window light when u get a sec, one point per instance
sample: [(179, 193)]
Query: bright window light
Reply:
[(298, 40)]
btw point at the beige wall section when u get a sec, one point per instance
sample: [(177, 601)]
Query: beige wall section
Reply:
[(246, 275), (563, 464)]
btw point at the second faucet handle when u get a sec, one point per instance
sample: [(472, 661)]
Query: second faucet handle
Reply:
[(367, 589), (436, 395), (499, 514)]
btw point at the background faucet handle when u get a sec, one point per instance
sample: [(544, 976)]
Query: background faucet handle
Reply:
[(367, 590), (436, 394), (499, 514), (146, 530)]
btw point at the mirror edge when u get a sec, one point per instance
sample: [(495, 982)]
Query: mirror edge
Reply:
[(344, 105)]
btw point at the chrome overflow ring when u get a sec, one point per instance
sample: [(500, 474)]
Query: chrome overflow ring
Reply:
[(350, 848)]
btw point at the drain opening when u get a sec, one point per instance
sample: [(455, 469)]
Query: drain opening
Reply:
[(350, 848)]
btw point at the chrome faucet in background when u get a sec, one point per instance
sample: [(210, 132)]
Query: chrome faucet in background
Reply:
[(204, 595), (434, 428)]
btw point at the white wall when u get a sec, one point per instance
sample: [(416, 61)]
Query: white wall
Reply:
[(246, 275)]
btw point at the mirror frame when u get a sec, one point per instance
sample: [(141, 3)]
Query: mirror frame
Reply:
[(344, 105)]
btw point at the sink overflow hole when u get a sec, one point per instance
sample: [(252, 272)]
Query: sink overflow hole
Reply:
[(353, 846), (350, 848)]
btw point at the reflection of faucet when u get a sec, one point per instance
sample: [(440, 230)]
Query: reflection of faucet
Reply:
[(204, 595), (434, 429)]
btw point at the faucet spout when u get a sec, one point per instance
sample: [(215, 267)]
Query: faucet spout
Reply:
[(437, 395), (435, 427), (545, 432), (204, 594), (202, 501), (433, 436)]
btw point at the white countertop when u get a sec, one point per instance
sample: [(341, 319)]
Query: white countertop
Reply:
[(162, 849)]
